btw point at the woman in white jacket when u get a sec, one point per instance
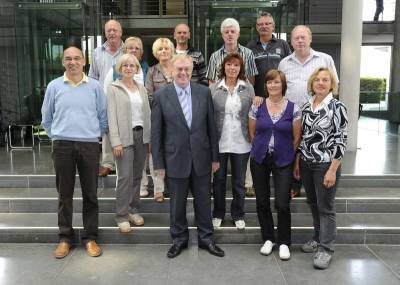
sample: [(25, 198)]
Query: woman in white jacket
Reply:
[(129, 128)]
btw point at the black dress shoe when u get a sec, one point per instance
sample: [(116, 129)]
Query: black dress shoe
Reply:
[(213, 249), (175, 250)]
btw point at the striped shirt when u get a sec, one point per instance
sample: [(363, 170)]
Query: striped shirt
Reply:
[(199, 66), (217, 57), (297, 74), (102, 61)]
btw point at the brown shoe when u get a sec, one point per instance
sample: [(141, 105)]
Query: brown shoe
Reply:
[(250, 192), (62, 249), (93, 249), (294, 193), (104, 171), (159, 197)]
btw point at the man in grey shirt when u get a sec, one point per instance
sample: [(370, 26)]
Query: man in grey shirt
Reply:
[(104, 57)]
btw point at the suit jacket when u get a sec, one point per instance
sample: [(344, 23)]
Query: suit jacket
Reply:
[(175, 146)]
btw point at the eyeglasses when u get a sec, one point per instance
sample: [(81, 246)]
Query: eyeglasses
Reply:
[(126, 65)]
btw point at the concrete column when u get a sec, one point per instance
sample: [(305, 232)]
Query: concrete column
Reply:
[(394, 97), (350, 57)]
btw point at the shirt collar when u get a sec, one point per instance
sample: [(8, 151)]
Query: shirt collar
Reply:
[(106, 46), (324, 102), (239, 48), (313, 53), (180, 89), (84, 79), (238, 83), (271, 40)]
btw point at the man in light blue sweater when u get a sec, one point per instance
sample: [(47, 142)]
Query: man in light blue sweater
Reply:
[(74, 117)]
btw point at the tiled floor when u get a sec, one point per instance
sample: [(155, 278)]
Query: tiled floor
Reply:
[(378, 153), (147, 264)]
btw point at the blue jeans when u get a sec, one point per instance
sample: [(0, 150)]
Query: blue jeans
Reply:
[(238, 170), (321, 201)]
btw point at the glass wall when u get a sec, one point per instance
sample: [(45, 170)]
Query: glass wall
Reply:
[(205, 18), (42, 31)]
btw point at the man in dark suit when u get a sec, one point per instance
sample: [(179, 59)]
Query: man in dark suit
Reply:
[(185, 151)]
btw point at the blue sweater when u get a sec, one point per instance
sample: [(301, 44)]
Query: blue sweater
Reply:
[(74, 113)]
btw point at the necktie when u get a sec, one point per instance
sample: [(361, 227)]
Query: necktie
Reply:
[(184, 100)]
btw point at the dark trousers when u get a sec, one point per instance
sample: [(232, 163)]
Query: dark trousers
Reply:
[(179, 189), (321, 201), (238, 171), (282, 182), (379, 9), (67, 157)]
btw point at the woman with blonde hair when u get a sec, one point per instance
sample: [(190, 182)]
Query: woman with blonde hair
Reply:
[(158, 76), (128, 112), (323, 143), (134, 46)]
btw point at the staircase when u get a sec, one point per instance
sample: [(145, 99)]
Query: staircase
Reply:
[(368, 212)]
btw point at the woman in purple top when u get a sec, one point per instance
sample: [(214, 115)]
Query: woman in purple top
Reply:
[(275, 131)]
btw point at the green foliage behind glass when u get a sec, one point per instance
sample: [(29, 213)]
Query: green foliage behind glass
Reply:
[(372, 90)]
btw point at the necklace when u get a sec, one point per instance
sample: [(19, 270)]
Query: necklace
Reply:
[(275, 103)]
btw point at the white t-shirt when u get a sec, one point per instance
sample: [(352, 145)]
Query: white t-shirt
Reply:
[(232, 139), (136, 107)]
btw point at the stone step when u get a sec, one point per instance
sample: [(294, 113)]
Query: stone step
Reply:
[(48, 181), (352, 229), (348, 200)]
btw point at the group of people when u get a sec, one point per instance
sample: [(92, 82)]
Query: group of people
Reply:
[(262, 107)]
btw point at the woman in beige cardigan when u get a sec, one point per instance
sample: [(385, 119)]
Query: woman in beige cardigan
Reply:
[(129, 128)]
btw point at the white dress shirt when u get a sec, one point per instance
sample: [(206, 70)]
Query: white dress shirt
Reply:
[(232, 140)]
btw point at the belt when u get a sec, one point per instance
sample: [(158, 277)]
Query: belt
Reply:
[(138, 128)]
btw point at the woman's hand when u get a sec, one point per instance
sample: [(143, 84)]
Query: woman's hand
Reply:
[(118, 150), (296, 168), (257, 101), (329, 179), (296, 171), (215, 167)]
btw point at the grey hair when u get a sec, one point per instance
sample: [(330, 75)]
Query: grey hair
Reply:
[(230, 22)]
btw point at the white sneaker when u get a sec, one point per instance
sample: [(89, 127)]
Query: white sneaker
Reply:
[(136, 219), (216, 223), (284, 252), (124, 227), (240, 224), (266, 249), (144, 193)]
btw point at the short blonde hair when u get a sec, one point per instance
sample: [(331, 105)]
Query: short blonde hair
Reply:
[(124, 59), (135, 40), (160, 41), (334, 82)]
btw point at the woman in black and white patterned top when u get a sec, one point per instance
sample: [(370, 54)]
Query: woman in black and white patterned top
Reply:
[(324, 140)]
